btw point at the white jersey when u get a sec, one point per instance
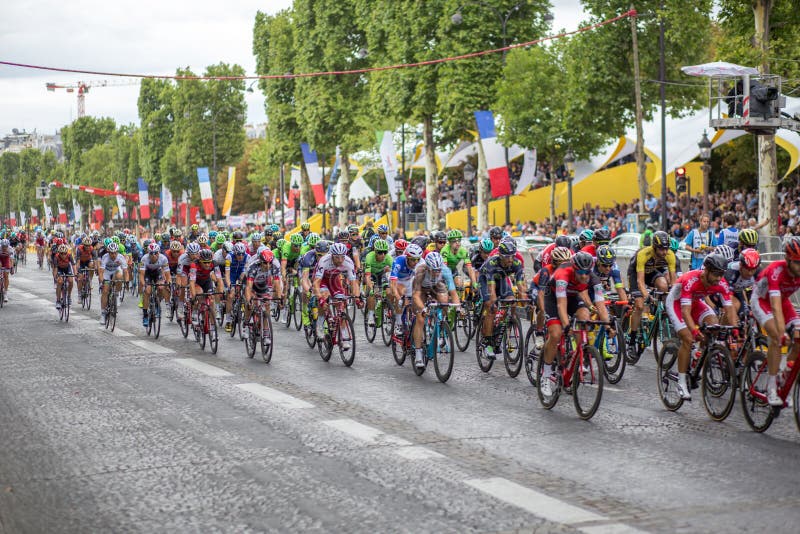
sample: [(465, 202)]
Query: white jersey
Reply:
[(161, 263), (326, 267), (110, 265)]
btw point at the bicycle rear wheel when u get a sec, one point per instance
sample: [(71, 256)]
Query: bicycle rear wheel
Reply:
[(757, 412), (250, 330), (613, 353), (484, 362), (266, 338), (112, 321), (398, 346), (156, 318), (667, 376), (587, 382), (463, 331), (347, 340), (201, 330), (445, 352), (213, 335), (184, 321), (370, 331), (88, 289), (513, 347), (532, 354)]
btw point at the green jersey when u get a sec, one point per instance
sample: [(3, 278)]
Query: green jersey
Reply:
[(376, 267), (305, 248), (287, 253), (452, 259)]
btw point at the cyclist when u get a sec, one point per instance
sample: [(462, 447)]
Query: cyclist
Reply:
[(741, 275), (194, 233), (494, 284), (237, 271), (6, 261), (429, 284), (263, 280), (377, 265), (308, 267), (85, 257), (328, 278), (600, 237), (354, 246), (453, 254), (63, 265), (222, 260), (687, 309), (606, 270), (310, 243), (748, 239), (155, 269), (305, 231), (585, 239), (256, 240), (495, 235), (290, 253), (651, 266), (774, 311), (539, 283), (400, 280), (204, 277), (438, 242), (383, 233), (40, 244), (480, 253), (185, 262), (568, 296), (399, 248), (113, 268)]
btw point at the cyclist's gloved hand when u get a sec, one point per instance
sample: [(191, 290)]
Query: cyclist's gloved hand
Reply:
[(360, 302)]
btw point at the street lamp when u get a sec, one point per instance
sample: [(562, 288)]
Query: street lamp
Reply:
[(398, 180), (469, 182), (334, 214), (705, 155), (295, 200), (265, 190), (569, 163)]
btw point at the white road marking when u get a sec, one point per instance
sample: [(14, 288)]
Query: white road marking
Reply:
[(610, 528), (364, 432), (119, 332), (273, 395), (152, 347), (206, 369), (609, 388), (415, 452)]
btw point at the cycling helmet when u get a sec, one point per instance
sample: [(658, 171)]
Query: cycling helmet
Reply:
[(153, 248), (602, 236), (563, 241), (267, 256), (195, 228), (400, 246), (748, 237), (115, 239), (305, 227), (352, 230), (279, 243), (367, 233), (439, 236), (507, 247), (725, 251), (268, 232), (750, 258), (495, 233), (175, 245), (434, 261), (421, 241), (239, 249), (212, 234), (274, 227), (126, 231), (130, 240), (338, 249), (313, 239), (560, 255), (296, 240), (660, 239), (585, 236), (323, 246), (380, 246), (383, 229), (157, 236), (791, 248), (343, 236), (454, 235), (177, 233), (220, 239), (78, 241), (256, 236), (202, 239), (582, 261), (238, 236), (575, 243), (606, 255), (206, 255), (715, 262), (227, 246), (107, 241), (192, 248), (112, 247), (63, 249), (414, 251), (486, 245)]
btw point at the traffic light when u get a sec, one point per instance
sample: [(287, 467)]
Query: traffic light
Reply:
[(680, 179)]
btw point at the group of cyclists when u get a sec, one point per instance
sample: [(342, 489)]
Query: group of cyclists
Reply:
[(573, 279)]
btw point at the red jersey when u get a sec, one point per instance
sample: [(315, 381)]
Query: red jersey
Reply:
[(63, 261), (545, 253), (200, 273), (84, 253), (591, 248), (776, 280), (690, 287)]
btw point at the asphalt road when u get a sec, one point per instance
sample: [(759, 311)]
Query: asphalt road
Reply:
[(104, 432)]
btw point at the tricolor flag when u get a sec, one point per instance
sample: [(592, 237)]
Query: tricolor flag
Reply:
[(165, 209), (144, 199), (12, 218), (228, 204), (314, 172), (98, 213), (62, 214), (76, 211), (120, 202), (34, 216), (48, 213), (205, 191), (389, 161), (528, 171), (334, 174), (495, 154)]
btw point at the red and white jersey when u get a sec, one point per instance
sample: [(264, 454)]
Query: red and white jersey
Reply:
[(690, 287), (776, 280)]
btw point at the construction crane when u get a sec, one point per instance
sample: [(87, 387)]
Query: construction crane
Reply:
[(83, 87)]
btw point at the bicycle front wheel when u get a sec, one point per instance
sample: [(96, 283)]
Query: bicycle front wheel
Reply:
[(156, 318), (485, 363), (757, 412), (249, 332), (548, 401), (266, 338), (445, 353), (513, 347), (296, 311), (718, 387), (324, 344), (667, 376), (532, 354), (201, 331), (587, 382), (463, 331), (213, 335), (613, 353), (370, 330), (347, 340), (387, 324)]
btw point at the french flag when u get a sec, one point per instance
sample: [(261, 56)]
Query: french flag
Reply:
[(62, 214), (205, 191), (98, 213), (144, 199), (495, 154), (314, 172)]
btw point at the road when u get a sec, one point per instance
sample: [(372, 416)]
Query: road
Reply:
[(118, 432)]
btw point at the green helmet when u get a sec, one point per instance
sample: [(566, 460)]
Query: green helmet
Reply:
[(305, 226), (487, 245), (312, 239), (296, 240), (380, 245), (748, 237), (115, 239), (220, 239), (280, 243), (157, 237), (454, 235)]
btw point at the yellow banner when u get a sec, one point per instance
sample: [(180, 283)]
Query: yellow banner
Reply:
[(226, 208)]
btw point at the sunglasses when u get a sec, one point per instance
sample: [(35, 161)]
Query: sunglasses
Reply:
[(582, 271), (205, 262), (441, 242), (380, 252)]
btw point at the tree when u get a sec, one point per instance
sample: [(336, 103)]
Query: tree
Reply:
[(157, 120), (80, 136)]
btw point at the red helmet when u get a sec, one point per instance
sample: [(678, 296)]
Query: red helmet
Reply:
[(267, 255), (750, 258), (791, 248), (57, 241), (400, 245), (126, 231)]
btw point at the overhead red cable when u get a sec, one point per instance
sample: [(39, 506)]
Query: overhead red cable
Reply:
[(631, 13)]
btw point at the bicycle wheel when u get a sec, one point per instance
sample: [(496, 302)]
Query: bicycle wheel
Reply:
[(310, 334), (266, 338), (324, 344), (88, 289), (249, 337), (398, 346), (213, 335), (201, 330), (242, 313), (548, 401), (795, 401), (65, 307), (112, 314), (155, 320), (150, 314), (613, 353), (484, 362), (532, 354), (757, 412), (352, 309), (633, 350), (463, 331), (719, 390), (587, 382), (370, 331), (667, 376), (346, 340), (297, 310), (387, 324), (662, 332), (445, 353), (513, 348), (2, 293), (184, 321)]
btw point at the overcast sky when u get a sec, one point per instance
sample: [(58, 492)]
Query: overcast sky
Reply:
[(143, 36)]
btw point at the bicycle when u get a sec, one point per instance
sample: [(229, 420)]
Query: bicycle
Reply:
[(111, 305), (534, 344), (40, 257), (401, 343), (371, 330), (651, 331), (205, 327), (293, 302), (613, 350), (64, 301), (185, 318), (173, 303), (438, 342), (463, 325), (578, 370), (338, 330), (154, 310), (713, 368), (3, 272), (237, 310), (258, 330), (506, 334), (757, 411), (85, 293)]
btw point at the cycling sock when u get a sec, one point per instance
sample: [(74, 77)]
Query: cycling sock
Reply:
[(772, 381)]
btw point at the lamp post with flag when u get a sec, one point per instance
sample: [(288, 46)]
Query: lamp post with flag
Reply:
[(569, 164), (469, 181), (705, 155)]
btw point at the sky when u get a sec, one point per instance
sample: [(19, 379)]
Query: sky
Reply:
[(143, 36)]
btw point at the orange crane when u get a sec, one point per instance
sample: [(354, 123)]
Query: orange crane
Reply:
[(83, 88)]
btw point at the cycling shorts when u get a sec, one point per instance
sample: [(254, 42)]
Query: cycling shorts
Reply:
[(649, 281), (700, 310), (206, 285), (64, 270), (551, 308), (762, 311), (153, 276), (333, 284)]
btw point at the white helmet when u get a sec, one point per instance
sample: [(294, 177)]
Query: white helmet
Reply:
[(434, 261), (338, 249), (413, 251)]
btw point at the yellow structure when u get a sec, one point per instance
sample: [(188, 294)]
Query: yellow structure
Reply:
[(316, 224), (603, 188)]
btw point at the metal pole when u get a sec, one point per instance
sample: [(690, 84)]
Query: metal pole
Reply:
[(569, 204), (214, 164), (400, 208), (283, 204), (469, 210), (706, 173), (662, 89)]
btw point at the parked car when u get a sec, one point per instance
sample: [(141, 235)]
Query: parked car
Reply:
[(626, 245)]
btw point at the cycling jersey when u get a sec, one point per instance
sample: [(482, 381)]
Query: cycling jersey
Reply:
[(237, 267), (272, 272), (375, 267), (6, 256), (401, 270), (645, 260), (494, 272), (199, 272), (185, 262), (84, 253), (154, 268), (64, 263), (288, 254), (543, 258), (517, 255), (172, 258), (329, 273), (775, 281), (308, 262), (427, 281), (610, 280), (111, 265), (452, 259), (564, 283), (690, 290), (476, 259), (221, 259), (591, 249), (737, 283)]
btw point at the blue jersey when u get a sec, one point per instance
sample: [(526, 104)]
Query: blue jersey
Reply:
[(729, 236), (238, 266), (611, 280), (308, 261), (400, 270), (135, 250), (447, 276)]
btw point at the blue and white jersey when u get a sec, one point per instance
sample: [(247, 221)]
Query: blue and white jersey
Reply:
[(400, 270), (238, 266)]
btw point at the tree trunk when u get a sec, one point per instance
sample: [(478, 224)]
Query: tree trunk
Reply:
[(483, 191), (431, 176), (767, 159), (641, 169), (344, 200)]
